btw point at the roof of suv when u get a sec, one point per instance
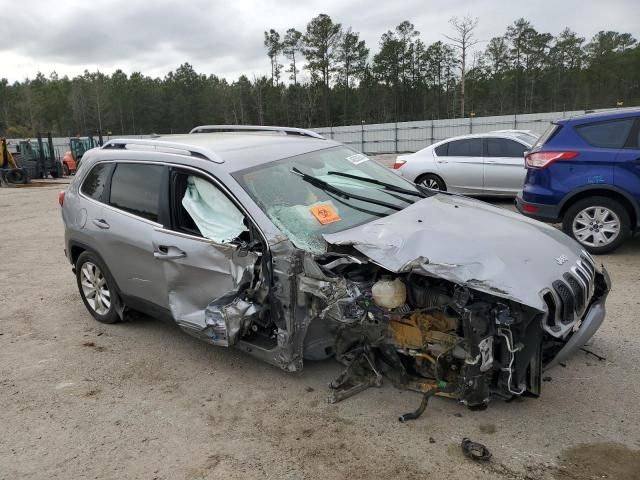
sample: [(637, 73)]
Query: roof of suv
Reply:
[(604, 115), (240, 150)]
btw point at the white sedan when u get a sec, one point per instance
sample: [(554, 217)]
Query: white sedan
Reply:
[(489, 164)]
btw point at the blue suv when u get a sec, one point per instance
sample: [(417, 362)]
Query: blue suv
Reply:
[(585, 172)]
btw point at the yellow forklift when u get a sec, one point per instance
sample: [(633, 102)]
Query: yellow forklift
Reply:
[(10, 173)]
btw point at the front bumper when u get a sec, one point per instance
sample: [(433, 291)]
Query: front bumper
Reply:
[(538, 211), (590, 325)]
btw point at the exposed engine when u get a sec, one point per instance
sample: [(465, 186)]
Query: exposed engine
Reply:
[(422, 333)]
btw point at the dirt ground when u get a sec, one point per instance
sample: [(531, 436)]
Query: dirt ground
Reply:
[(142, 400)]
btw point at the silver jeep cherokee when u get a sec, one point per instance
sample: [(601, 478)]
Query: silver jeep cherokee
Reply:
[(292, 247)]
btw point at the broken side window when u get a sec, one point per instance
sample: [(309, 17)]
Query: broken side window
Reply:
[(206, 211)]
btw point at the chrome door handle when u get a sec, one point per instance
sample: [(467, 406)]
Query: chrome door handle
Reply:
[(101, 223), (168, 252)]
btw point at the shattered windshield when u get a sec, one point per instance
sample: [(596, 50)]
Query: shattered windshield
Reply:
[(309, 195)]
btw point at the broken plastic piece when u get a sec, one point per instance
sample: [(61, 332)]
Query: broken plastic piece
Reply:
[(475, 451)]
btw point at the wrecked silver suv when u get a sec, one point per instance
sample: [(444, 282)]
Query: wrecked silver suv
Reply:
[(292, 247)]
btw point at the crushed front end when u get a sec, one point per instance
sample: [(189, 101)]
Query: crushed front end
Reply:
[(437, 336)]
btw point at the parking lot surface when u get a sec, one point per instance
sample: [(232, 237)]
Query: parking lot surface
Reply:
[(141, 399)]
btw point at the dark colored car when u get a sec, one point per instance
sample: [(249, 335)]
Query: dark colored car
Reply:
[(585, 172)]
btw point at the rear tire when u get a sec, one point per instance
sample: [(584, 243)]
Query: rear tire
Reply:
[(97, 288), (599, 224), (17, 176), (432, 181)]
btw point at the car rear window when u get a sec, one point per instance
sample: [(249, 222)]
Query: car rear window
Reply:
[(135, 188), (94, 183), (471, 147), (610, 134), (549, 133)]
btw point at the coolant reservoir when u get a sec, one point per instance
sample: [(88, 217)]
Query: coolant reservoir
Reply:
[(389, 293)]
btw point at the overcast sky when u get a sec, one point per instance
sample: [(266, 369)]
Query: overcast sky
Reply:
[(225, 37)]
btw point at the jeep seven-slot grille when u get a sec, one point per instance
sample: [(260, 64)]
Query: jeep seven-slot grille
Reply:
[(573, 292), (566, 301), (578, 291)]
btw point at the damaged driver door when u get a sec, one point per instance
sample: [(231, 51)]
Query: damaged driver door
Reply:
[(203, 252)]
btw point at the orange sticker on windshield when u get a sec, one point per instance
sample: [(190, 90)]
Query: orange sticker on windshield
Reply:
[(325, 214)]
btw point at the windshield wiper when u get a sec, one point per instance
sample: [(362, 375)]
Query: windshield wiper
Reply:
[(387, 186), (321, 184)]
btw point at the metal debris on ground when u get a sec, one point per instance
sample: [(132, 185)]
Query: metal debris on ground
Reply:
[(589, 352), (475, 451)]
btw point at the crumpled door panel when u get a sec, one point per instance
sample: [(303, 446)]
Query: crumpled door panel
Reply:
[(206, 272)]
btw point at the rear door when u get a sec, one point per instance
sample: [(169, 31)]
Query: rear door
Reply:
[(627, 170), (203, 253), (461, 164), (128, 223), (504, 170)]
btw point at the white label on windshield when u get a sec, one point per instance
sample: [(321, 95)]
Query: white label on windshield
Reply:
[(357, 159)]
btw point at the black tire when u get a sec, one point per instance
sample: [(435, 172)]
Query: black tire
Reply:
[(590, 243), (430, 180), (17, 176), (96, 305)]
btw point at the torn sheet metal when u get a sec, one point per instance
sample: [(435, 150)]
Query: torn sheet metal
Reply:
[(467, 242), (207, 273), (228, 318)]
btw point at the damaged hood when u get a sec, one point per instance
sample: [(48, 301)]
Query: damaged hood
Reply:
[(468, 242)]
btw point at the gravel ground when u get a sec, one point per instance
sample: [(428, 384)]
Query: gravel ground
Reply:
[(143, 400)]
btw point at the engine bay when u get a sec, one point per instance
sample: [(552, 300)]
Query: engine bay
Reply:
[(422, 333)]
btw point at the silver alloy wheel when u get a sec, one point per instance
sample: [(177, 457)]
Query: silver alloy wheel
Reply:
[(431, 183), (94, 288), (596, 226)]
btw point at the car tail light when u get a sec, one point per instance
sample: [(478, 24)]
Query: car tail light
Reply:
[(399, 162), (529, 208), (61, 197), (543, 159)]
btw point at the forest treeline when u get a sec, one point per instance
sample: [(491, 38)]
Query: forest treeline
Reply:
[(325, 74)]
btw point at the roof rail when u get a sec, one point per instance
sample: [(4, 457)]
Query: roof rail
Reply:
[(191, 150), (256, 128)]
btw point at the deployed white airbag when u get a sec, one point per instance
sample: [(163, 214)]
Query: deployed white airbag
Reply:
[(214, 214)]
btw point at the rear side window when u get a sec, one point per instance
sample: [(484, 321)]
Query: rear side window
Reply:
[(135, 188), (502, 147), (441, 150), (611, 134), (471, 147), (93, 185)]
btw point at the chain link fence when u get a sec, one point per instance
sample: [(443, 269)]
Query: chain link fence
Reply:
[(413, 136), (400, 137)]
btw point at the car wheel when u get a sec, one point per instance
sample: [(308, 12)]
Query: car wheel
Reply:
[(599, 224), (434, 182), (97, 288)]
